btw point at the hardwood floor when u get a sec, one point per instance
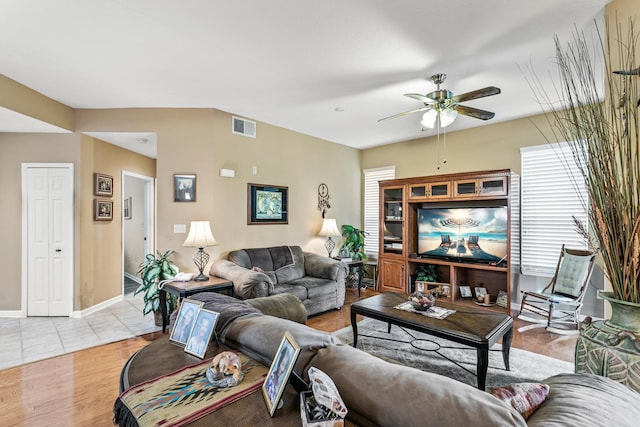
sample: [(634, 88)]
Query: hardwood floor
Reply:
[(78, 389)]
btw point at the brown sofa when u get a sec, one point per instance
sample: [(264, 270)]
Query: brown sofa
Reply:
[(380, 393), (319, 282)]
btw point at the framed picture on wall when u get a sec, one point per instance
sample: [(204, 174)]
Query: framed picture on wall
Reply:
[(102, 185), (184, 188), (267, 204), (102, 210), (126, 208)]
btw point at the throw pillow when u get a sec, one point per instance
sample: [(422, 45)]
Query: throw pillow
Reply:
[(524, 397)]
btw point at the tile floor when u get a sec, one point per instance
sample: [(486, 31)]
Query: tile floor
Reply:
[(36, 338)]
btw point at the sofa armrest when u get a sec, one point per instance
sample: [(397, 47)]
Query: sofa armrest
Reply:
[(320, 266), (246, 283)]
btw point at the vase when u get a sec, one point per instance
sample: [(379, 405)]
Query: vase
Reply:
[(611, 348)]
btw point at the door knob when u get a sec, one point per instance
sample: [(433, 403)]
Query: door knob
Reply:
[(58, 250)]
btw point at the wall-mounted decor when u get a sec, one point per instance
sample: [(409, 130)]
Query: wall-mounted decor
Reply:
[(323, 198), (102, 210), (126, 208), (184, 188), (267, 204), (102, 185)]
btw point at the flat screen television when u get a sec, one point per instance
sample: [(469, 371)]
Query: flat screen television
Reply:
[(463, 234)]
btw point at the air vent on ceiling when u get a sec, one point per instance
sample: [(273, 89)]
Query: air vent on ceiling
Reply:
[(243, 127)]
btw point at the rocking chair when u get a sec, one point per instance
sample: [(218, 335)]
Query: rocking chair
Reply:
[(559, 303)]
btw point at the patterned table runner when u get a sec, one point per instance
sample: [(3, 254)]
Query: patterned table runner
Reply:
[(183, 396)]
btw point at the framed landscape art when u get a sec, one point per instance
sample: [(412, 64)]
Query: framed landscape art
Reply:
[(267, 204)]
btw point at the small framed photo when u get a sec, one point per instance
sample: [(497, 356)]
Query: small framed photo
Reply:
[(502, 299), (126, 208), (102, 210), (201, 332), (446, 290), (465, 291), (480, 291), (102, 185), (267, 204), (278, 375), (184, 188), (185, 320), (420, 286)]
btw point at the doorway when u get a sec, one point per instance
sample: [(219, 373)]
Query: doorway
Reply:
[(137, 226), (47, 233)]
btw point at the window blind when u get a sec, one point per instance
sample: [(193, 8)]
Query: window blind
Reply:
[(372, 205), (552, 192)]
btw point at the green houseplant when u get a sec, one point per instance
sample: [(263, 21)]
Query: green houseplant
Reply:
[(153, 270), (354, 241)]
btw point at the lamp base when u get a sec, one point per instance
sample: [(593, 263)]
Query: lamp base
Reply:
[(201, 278), (201, 258), (329, 245)]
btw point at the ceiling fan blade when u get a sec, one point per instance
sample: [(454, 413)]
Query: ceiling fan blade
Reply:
[(422, 98), (475, 94), (474, 112), (405, 113)]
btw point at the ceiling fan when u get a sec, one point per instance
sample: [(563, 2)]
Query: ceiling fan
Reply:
[(443, 106)]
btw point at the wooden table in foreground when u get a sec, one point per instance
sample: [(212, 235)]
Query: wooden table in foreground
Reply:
[(476, 328), (186, 289)]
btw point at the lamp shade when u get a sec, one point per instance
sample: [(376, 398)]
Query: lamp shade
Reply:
[(200, 235), (429, 119), (447, 116), (329, 228)]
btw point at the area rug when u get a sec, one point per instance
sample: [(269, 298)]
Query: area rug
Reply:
[(183, 396), (525, 365)]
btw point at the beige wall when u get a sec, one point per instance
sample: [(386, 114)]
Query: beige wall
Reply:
[(493, 146), (101, 241), (200, 141), (16, 149)]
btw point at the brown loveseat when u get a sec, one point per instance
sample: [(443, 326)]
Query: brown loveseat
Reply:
[(319, 282)]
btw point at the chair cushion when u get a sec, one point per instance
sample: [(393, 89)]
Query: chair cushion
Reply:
[(572, 274)]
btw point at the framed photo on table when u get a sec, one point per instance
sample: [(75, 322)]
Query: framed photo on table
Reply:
[(267, 204), (279, 373), (465, 292), (480, 291), (184, 188), (186, 318), (201, 332)]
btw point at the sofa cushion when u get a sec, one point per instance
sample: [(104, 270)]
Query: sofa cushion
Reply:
[(316, 287), (258, 336), (386, 394), (284, 306), (290, 288), (587, 400), (524, 397), (288, 271)]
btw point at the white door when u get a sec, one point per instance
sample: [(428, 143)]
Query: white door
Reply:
[(49, 217)]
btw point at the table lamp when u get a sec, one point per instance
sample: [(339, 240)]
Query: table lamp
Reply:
[(200, 237), (329, 229)]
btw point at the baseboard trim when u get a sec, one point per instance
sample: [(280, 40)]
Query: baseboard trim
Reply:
[(77, 314), (11, 313), (136, 279)]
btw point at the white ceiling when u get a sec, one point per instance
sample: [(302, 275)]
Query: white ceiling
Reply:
[(329, 68)]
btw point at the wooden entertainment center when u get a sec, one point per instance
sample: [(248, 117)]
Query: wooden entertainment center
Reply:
[(398, 259)]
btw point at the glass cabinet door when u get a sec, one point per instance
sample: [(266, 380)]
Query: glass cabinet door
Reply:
[(392, 220)]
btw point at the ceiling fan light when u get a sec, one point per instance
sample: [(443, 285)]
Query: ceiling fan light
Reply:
[(429, 119), (447, 117)]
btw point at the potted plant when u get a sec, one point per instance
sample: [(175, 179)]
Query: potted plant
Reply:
[(354, 242), (153, 270), (603, 132)]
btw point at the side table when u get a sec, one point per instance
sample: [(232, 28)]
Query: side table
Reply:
[(185, 289), (356, 271)]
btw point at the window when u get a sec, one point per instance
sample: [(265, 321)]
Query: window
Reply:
[(553, 192), (372, 205)]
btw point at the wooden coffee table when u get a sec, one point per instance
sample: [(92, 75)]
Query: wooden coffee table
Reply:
[(472, 327)]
